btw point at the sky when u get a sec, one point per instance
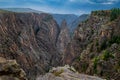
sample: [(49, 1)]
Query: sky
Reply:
[(77, 7)]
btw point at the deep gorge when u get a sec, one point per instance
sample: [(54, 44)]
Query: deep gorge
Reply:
[(38, 43)]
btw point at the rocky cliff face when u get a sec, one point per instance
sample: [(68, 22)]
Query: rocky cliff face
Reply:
[(94, 48), (30, 39), (63, 38), (37, 44)]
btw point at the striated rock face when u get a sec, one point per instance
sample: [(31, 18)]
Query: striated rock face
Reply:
[(63, 38), (84, 34), (30, 39), (94, 48), (66, 73), (37, 44), (10, 70)]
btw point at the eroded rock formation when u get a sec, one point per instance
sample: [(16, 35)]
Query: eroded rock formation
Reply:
[(63, 38), (37, 43), (30, 39)]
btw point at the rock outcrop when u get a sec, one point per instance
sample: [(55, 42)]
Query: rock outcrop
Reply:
[(10, 70), (94, 48), (66, 73), (30, 39), (63, 38)]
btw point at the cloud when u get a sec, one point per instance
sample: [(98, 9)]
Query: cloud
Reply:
[(55, 10), (62, 6), (79, 1), (72, 0), (104, 2)]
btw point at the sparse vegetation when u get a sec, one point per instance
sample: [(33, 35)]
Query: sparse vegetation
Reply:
[(115, 12), (84, 67), (78, 58), (117, 67), (57, 73), (115, 39), (95, 62), (100, 13), (106, 55)]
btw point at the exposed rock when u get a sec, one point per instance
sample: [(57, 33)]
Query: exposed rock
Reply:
[(10, 70), (63, 38), (30, 39), (36, 43), (66, 73), (85, 33), (92, 49)]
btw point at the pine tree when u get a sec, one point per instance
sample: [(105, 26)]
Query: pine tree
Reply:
[(115, 12)]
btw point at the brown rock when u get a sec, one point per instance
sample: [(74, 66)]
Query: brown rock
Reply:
[(93, 48), (63, 38), (30, 39), (10, 70), (66, 73)]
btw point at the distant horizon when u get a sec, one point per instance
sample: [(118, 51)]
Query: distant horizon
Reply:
[(44, 11), (77, 7), (53, 13)]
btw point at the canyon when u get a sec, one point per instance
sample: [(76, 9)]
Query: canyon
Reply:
[(30, 39), (37, 43)]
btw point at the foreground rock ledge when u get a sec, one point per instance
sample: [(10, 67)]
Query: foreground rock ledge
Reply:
[(66, 73), (10, 70)]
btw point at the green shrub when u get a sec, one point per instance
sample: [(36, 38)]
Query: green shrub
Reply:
[(95, 62), (84, 67), (100, 13), (115, 39), (103, 45), (115, 12), (78, 58), (106, 55)]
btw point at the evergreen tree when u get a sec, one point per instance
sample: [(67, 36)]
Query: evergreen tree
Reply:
[(115, 12)]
